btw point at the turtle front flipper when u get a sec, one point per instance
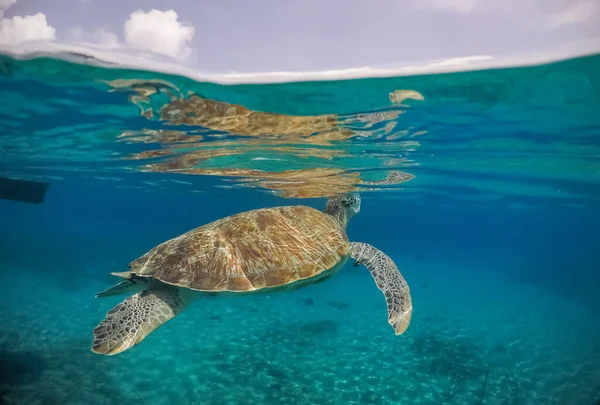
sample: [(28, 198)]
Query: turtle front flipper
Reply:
[(389, 281), (128, 323)]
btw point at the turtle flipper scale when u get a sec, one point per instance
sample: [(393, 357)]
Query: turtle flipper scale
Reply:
[(128, 323), (389, 281)]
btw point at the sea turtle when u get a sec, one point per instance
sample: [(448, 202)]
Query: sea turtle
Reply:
[(257, 251)]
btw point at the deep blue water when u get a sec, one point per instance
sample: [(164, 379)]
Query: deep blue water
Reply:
[(497, 235)]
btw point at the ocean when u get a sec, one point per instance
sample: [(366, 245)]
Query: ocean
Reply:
[(482, 186)]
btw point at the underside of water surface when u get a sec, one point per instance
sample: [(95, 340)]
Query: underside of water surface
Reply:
[(483, 187)]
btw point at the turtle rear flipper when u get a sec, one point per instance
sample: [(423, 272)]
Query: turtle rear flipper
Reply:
[(389, 281), (128, 323)]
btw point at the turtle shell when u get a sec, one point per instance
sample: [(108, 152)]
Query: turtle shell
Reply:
[(249, 251)]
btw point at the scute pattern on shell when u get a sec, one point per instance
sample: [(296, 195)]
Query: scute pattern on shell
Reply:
[(248, 251)]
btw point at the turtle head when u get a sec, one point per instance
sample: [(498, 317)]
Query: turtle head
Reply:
[(343, 207)]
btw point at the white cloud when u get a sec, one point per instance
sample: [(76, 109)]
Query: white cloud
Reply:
[(21, 29), (457, 6), (4, 4), (575, 13), (99, 36), (159, 32), (537, 15)]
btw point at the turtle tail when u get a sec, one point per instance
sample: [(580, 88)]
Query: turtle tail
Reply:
[(130, 285)]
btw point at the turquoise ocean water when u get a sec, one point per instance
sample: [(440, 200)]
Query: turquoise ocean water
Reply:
[(483, 187)]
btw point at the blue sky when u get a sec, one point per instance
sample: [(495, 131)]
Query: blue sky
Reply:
[(279, 35)]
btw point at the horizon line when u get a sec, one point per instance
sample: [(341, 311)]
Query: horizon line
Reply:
[(127, 58)]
